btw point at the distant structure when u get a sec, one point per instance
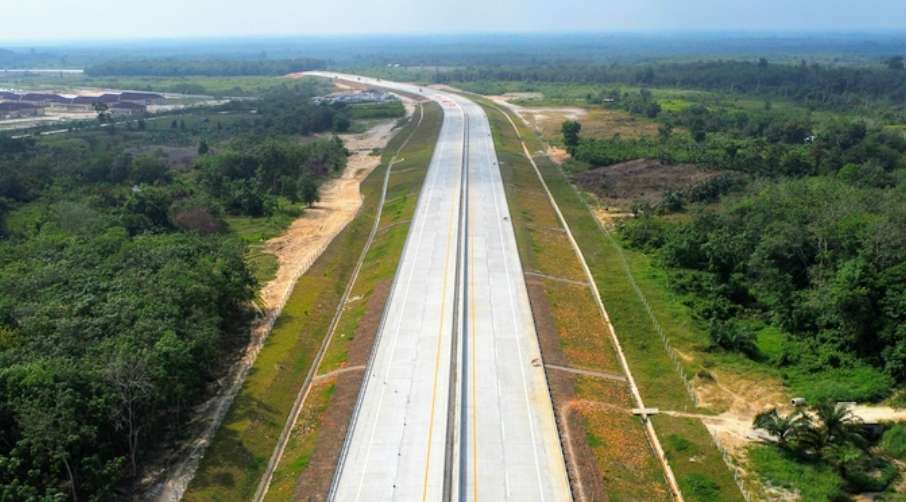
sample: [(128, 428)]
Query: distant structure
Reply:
[(17, 110), (127, 108), (142, 98), (125, 103), (355, 97)]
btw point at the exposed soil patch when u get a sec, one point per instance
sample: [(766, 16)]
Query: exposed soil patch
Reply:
[(558, 155), (176, 157), (340, 200), (617, 186)]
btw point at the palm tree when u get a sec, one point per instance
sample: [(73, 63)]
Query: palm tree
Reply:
[(784, 428), (838, 425)]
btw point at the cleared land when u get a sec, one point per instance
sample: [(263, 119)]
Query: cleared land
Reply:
[(619, 185)]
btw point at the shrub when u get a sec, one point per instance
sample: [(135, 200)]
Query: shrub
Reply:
[(861, 383), (700, 487), (893, 442)]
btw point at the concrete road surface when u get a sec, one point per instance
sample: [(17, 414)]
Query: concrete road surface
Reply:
[(455, 405)]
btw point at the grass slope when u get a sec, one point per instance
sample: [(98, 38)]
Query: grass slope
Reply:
[(378, 268), (239, 452)]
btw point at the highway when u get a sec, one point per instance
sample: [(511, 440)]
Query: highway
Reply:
[(455, 403)]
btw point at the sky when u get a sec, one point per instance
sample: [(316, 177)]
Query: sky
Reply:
[(35, 20)]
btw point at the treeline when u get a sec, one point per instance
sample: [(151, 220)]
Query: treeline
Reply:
[(814, 84), (760, 142), (174, 67), (821, 258), (122, 293)]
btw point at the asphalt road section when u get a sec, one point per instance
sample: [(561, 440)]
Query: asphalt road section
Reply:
[(455, 405)]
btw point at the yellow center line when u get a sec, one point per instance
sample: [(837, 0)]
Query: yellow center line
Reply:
[(473, 367), (440, 331)]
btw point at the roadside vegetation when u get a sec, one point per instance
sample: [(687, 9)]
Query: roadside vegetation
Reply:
[(238, 455), (309, 461)]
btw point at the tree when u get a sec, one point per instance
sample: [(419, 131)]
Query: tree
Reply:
[(784, 428), (837, 425), (571, 130), (665, 131), (203, 147), (101, 109), (50, 424), (308, 191), (896, 63), (130, 383)]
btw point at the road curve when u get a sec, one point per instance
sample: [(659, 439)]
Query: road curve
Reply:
[(455, 403)]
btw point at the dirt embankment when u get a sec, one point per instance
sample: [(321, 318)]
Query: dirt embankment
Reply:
[(296, 250), (340, 199)]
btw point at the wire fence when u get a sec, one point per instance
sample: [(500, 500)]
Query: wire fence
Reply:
[(735, 470), (687, 382)]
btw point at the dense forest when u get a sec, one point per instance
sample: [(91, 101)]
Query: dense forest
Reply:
[(173, 67), (123, 294), (826, 86), (815, 245)]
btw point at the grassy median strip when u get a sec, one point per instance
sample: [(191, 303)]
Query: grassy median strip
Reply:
[(607, 449), (240, 450), (307, 462), (658, 380)]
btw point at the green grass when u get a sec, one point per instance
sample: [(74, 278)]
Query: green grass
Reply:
[(239, 452), (301, 444), (813, 482), (381, 261), (264, 265), (696, 463), (256, 230)]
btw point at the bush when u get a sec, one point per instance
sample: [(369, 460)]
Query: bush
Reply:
[(893, 442), (814, 482), (862, 383), (733, 336), (880, 475), (700, 487)]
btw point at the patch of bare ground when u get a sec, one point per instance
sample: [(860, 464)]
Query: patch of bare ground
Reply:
[(306, 237), (295, 250), (313, 483), (619, 185), (558, 155)]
